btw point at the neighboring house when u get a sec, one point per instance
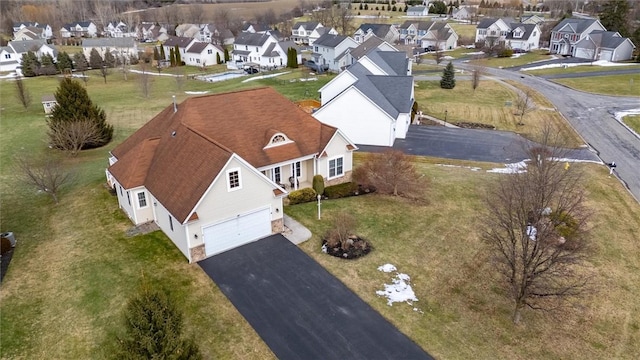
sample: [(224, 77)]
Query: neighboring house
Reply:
[(438, 34), (318, 32), (48, 102), (117, 29), (418, 11), (211, 180), (332, 50), (301, 31), (79, 29), (568, 32), (371, 101), (464, 13), (604, 45), (523, 36), (181, 42), (371, 44), (44, 32), (260, 49), (255, 28), (386, 32), (188, 30), (119, 47), (203, 53), (492, 31), (29, 33), (11, 55), (149, 32), (532, 19), (211, 33)]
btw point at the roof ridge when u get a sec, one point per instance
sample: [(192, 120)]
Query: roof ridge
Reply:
[(204, 136)]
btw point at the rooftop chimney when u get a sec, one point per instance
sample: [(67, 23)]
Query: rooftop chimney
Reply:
[(175, 105)]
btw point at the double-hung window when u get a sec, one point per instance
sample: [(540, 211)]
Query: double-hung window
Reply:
[(142, 200), (336, 167), (233, 179)]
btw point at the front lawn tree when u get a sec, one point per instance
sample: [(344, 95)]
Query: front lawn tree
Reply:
[(45, 173), (448, 77), (524, 105), (392, 172), (63, 62), (75, 106), (95, 60), (30, 64), (535, 228)]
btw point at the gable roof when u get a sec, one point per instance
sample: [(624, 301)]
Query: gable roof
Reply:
[(486, 22), (123, 42), (330, 40), (197, 47), (528, 31), (251, 39), (368, 45), (23, 46), (575, 25), (391, 62), (607, 39), (308, 25), (256, 27), (176, 155), (181, 41), (379, 30)]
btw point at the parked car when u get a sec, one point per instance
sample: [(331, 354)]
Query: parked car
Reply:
[(316, 67), (430, 48), (251, 70)]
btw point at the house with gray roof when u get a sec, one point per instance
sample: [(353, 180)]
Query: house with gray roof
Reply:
[(79, 29), (120, 47), (202, 53), (260, 50), (492, 31), (11, 55), (523, 36), (371, 101), (302, 31), (604, 45), (569, 32), (214, 34), (417, 11), (371, 44), (331, 50), (387, 32), (181, 42), (43, 31)]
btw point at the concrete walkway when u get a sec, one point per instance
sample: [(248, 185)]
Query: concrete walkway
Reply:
[(294, 231)]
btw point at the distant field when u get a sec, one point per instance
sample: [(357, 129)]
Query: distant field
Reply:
[(624, 85)]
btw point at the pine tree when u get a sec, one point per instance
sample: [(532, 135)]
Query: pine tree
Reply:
[(30, 64), (95, 60), (172, 58), (448, 77), (74, 105), (226, 54), (109, 59), (156, 54), (176, 53), (154, 329), (63, 61), (163, 56), (218, 59), (614, 17), (80, 62), (47, 66)]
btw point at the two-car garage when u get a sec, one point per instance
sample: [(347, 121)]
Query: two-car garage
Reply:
[(237, 231)]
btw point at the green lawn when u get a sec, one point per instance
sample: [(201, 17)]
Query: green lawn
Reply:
[(530, 57), (580, 69), (462, 313), (633, 121), (625, 85)]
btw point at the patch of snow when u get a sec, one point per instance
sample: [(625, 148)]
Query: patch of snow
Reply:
[(447, 57), (308, 79), (265, 76), (9, 76), (604, 63), (577, 160), (472, 168), (196, 92), (532, 232), (324, 248), (621, 114), (154, 73), (515, 168), (475, 53), (387, 268), (515, 56), (398, 291)]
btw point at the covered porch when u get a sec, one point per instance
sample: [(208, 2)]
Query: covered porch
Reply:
[(292, 175)]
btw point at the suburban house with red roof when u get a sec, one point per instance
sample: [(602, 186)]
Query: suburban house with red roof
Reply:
[(213, 180)]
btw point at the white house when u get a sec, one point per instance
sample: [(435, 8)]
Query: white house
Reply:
[(211, 33), (117, 29), (79, 29), (464, 13), (203, 54), (149, 32), (119, 47), (568, 32), (260, 49), (492, 31), (43, 31), (255, 28), (371, 44), (318, 32), (48, 103), (418, 11), (182, 43), (523, 36), (386, 32), (301, 31), (604, 45), (215, 180), (188, 30), (440, 35), (332, 50), (371, 101), (11, 55)]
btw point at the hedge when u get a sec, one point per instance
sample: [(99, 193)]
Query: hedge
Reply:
[(302, 196)]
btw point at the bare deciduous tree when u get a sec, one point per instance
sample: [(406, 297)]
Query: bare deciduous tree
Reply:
[(393, 173), (104, 11), (524, 105), (145, 80), (47, 173), (73, 136), (343, 227), (22, 93), (476, 74), (195, 14), (104, 71), (535, 226)]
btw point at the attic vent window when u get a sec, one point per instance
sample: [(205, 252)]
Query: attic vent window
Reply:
[(278, 139), (173, 134)]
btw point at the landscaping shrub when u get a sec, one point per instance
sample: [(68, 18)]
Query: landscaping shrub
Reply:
[(340, 190), (318, 184), (341, 241), (504, 53), (302, 196)]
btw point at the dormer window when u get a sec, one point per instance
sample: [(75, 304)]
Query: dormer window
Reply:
[(277, 140)]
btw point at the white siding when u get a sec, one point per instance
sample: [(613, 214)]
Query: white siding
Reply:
[(337, 147), (402, 125), (369, 125), (336, 86), (375, 70), (179, 233), (219, 204)]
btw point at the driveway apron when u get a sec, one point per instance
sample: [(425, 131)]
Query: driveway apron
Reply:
[(299, 309)]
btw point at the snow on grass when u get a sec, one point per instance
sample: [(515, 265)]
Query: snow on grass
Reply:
[(9, 76), (196, 92), (620, 114), (265, 76), (472, 168), (514, 168), (400, 288), (594, 63)]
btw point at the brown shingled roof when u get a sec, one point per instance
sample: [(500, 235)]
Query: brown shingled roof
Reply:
[(177, 155)]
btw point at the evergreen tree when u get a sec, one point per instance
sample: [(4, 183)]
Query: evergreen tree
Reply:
[(47, 66), (30, 64), (80, 62), (95, 60), (156, 54), (226, 54), (154, 329), (163, 56), (614, 16), (218, 59), (74, 105), (448, 77), (172, 58), (176, 53), (63, 61), (109, 59)]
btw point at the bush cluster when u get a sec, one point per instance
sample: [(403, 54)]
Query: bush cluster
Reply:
[(341, 190), (302, 196), (505, 53)]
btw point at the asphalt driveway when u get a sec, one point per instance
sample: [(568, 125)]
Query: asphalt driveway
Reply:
[(299, 309), (469, 144)]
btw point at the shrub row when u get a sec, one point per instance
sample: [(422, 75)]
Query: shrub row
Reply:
[(302, 196)]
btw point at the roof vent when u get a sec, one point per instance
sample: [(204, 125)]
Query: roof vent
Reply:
[(175, 105), (173, 133)]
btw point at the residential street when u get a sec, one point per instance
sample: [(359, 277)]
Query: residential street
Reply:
[(592, 115)]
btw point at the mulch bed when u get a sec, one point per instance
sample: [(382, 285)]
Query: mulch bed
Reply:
[(470, 125), (358, 248)]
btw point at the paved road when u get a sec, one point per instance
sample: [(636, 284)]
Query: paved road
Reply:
[(299, 309), (469, 144), (592, 117)]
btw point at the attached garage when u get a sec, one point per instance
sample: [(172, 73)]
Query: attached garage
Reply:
[(238, 231)]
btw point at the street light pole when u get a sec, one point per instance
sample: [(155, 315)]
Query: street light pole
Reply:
[(319, 204), (445, 117)]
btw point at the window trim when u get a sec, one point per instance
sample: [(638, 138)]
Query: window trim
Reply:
[(228, 174), (335, 159), (128, 198), (146, 202)]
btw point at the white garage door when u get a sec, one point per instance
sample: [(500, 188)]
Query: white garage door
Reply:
[(235, 232)]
